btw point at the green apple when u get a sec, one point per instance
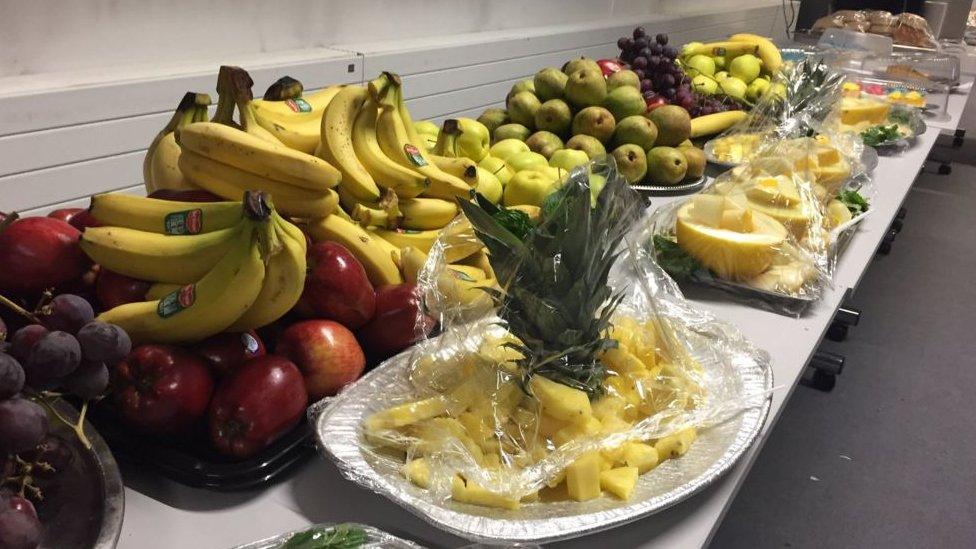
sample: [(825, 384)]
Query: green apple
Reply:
[(489, 186), (733, 87), (756, 89), (528, 187), (568, 159), (474, 140), (526, 161), (721, 75), (745, 67), (507, 147), (498, 167), (719, 61), (704, 85), (703, 64)]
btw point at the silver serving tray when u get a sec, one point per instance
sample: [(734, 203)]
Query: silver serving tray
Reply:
[(375, 539), (338, 433), (87, 508)]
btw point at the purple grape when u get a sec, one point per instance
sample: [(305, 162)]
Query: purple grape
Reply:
[(646, 84), (102, 342), (54, 356), (686, 102), (640, 43), (88, 381), (640, 32), (19, 526), (669, 93), (11, 376), (24, 340), (661, 39), (22, 425), (640, 63), (644, 52), (640, 73), (648, 94), (671, 52), (706, 110), (625, 43), (67, 313), (668, 81), (657, 49)]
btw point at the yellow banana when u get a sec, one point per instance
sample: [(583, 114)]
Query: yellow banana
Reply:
[(374, 217), (406, 182), (230, 182), (336, 146), (284, 278), (394, 140), (160, 290), (711, 124), (730, 48), (426, 213), (460, 241), (407, 238), (768, 52), (446, 145), (156, 257), (251, 154), (463, 288), (480, 260), (295, 122), (164, 216), (159, 168), (412, 262), (376, 259), (234, 91), (474, 273), (201, 309), (460, 167)]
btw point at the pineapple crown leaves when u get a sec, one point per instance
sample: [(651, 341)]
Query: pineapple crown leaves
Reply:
[(811, 91), (554, 297)]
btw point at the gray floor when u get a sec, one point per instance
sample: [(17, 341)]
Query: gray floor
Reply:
[(886, 459)]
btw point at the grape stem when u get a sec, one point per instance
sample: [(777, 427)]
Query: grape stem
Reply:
[(19, 310), (78, 428)]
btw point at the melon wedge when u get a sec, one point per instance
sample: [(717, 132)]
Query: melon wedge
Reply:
[(730, 254), (791, 212)]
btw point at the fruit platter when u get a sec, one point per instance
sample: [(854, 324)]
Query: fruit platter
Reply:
[(881, 124), (528, 423)]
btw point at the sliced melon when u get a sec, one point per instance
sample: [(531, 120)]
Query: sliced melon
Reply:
[(788, 278), (730, 254), (854, 111), (838, 213), (788, 209)]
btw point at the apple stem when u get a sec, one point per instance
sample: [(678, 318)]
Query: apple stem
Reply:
[(19, 310)]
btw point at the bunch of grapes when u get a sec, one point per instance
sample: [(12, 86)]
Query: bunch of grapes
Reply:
[(68, 351), (654, 62)]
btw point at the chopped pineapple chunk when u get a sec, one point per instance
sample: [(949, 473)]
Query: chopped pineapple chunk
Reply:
[(418, 472), (640, 455), (609, 406), (622, 361), (573, 431), (583, 477), (561, 401), (471, 492), (676, 445), (406, 414), (620, 481)]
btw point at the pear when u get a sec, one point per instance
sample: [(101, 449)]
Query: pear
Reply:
[(511, 131), (492, 118), (597, 122), (488, 185), (586, 87), (625, 101), (550, 83), (544, 143), (528, 187), (522, 108), (527, 160), (673, 125), (733, 87), (587, 144), (520, 86), (567, 159), (631, 162), (497, 167), (554, 116), (635, 130), (623, 78), (505, 148), (666, 165), (582, 63), (695, 158), (704, 85)]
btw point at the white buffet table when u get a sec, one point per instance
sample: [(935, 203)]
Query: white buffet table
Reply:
[(162, 514)]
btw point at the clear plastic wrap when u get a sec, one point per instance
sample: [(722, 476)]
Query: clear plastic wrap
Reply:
[(588, 369), (340, 535)]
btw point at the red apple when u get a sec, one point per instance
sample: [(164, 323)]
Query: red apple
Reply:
[(336, 286), (38, 253), (655, 102), (326, 352), (187, 195), (609, 66), (264, 399), (114, 289), (162, 389), (399, 321), (78, 218), (227, 351)]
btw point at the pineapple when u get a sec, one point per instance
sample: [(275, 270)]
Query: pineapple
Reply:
[(620, 481)]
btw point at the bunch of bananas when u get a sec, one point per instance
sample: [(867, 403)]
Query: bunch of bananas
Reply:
[(217, 266), (160, 168), (227, 158)]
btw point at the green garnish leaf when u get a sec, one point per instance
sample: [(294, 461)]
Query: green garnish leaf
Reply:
[(854, 202), (342, 536), (901, 116), (674, 260), (875, 135)]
